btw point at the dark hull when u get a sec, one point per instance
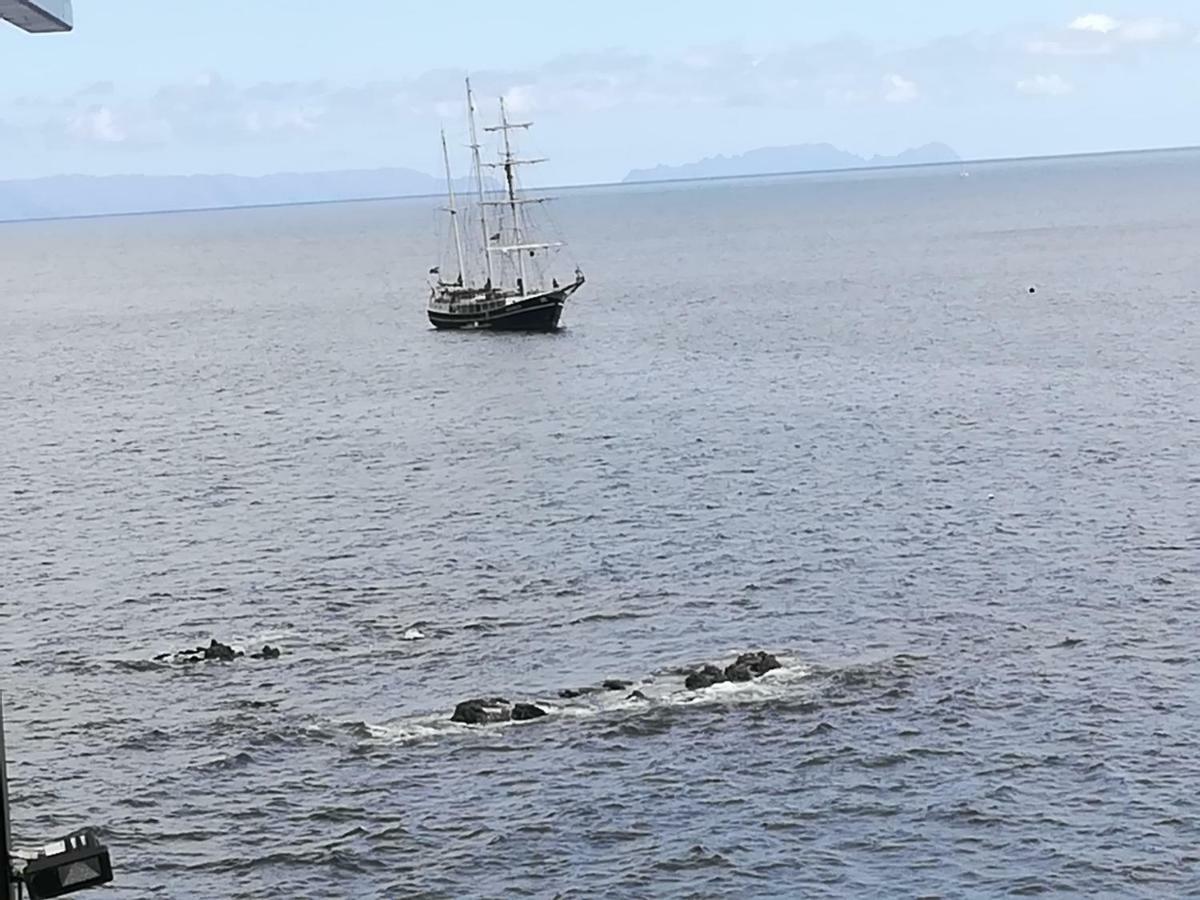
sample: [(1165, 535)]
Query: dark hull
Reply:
[(537, 313)]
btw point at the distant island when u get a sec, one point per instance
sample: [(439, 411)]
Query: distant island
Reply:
[(64, 196), (67, 196), (797, 158)]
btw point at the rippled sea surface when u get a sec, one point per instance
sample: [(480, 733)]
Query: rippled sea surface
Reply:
[(820, 416)]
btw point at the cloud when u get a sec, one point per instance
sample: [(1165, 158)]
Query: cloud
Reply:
[(1098, 34), (1097, 22), (1151, 31), (97, 124), (1045, 86), (97, 89), (208, 114), (898, 89)]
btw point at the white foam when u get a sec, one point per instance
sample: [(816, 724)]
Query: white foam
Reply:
[(667, 691)]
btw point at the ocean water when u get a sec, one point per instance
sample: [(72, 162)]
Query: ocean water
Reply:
[(821, 416)]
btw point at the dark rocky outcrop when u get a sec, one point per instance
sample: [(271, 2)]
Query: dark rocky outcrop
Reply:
[(482, 712), (706, 676), (222, 652), (573, 693), (523, 712), (486, 711), (746, 667), (217, 651), (751, 665)]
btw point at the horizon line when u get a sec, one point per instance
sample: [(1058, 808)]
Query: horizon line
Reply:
[(695, 179)]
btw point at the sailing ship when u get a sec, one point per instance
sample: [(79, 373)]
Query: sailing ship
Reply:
[(503, 280)]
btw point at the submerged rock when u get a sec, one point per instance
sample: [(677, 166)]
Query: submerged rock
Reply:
[(704, 677), (485, 711), (489, 711), (217, 651), (573, 693), (482, 712), (751, 665), (222, 652), (523, 712)]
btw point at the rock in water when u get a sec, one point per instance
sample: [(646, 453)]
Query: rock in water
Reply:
[(523, 712), (482, 712), (217, 652), (572, 693), (223, 652), (751, 665), (616, 684), (738, 672), (637, 695), (704, 677)]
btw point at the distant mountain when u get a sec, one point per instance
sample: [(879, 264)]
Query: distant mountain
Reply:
[(799, 158), (85, 195)]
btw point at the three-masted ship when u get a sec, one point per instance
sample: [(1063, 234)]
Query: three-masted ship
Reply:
[(504, 278)]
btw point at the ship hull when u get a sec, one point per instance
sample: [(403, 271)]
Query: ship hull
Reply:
[(540, 313)]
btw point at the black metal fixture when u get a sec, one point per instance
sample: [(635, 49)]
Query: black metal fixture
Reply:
[(74, 863)]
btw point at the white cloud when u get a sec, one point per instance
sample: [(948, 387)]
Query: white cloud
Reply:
[(206, 114), (1134, 31), (1045, 86), (282, 121), (1042, 47), (98, 124), (520, 99), (1150, 31), (898, 89), (1095, 22), (1097, 34)]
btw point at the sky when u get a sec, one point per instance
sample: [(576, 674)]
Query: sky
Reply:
[(186, 87)]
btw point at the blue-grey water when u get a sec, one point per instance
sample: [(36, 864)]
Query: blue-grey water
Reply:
[(821, 416)]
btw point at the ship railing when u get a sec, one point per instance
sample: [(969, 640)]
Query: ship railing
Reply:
[(478, 307)]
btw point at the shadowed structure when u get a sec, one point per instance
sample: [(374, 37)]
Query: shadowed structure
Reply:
[(38, 16)]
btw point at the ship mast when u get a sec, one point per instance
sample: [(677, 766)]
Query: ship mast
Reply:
[(509, 163), (487, 240), (458, 247), (509, 178)]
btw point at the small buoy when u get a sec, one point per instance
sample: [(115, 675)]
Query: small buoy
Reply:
[(1033, 290), (991, 496)]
